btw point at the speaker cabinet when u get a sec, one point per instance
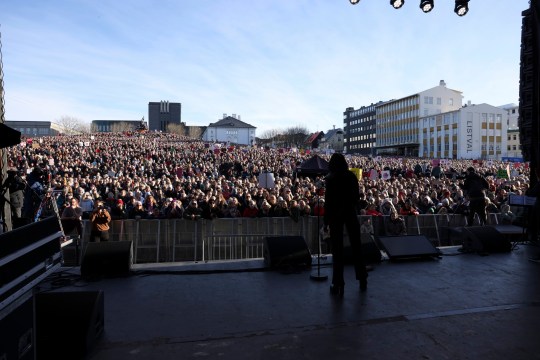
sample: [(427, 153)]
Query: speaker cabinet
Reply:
[(17, 330), (485, 239), (68, 324), (371, 254), (107, 259), (285, 251), (408, 246)]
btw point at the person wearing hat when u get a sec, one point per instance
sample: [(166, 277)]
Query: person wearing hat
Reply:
[(119, 212), (137, 212), (475, 187)]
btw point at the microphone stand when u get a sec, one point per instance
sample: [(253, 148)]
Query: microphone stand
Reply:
[(318, 276)]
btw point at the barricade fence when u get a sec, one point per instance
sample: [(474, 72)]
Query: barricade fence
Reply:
[(179, 240)]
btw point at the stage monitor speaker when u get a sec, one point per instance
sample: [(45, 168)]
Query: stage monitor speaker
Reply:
[(107, 259), (371, 253), (408, 246), (286, 251), (68, 324), (485, 239)]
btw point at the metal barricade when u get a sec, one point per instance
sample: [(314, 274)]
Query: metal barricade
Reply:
[(183, 236), (180, 240)]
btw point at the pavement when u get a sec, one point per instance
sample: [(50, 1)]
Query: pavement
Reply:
[(457, 306)]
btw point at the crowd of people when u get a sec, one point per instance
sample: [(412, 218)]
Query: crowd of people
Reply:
[(166, 176)]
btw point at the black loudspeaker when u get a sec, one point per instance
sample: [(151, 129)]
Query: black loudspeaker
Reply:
[(485, 239), (408, 246), (68, 324), (17, 332), (370, 251), (107, 259), (285, 251)]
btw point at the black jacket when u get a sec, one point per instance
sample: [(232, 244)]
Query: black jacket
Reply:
[(475, 185), (342, 193)]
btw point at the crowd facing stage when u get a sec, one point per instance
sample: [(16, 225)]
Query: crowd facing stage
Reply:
[(158, 175)]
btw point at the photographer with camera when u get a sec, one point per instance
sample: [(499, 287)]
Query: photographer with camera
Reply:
[(16, 187), (33, 192), (100, 220)]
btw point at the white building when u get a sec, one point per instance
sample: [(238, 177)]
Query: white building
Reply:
[(512, 115), (472, 132), (397, 120), (230, 130), (514, 145)]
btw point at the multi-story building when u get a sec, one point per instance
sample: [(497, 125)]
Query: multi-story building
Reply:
[(472, 132), (359, 130), (513, 145), (38, 128), (163, 113), (397, 121), (512, 115), (230, 130)]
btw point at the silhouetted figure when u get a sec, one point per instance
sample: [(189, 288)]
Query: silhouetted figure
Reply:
[(475, 186), (342, 195)]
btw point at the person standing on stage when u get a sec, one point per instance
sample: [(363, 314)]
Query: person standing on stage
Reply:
[(342, 195), (100, 219), (475, 186)]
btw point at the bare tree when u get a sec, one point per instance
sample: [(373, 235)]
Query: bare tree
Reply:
[(71, 125), (178, 129), (270, 134), (295, 135), (122, 126), (194, 131)]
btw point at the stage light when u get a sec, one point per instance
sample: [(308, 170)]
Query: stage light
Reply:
[(397, 3), (426, 5), (354, 2), (462, 7)]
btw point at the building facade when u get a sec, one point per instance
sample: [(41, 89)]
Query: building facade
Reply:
[(36, 128), (163, 113), (472, 132), (333, 140), (397, 131), (230, 130), (513, 144), (105, 126), (359, 130), (512, 115)]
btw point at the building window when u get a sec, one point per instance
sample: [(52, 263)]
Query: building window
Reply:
[(451, 102)]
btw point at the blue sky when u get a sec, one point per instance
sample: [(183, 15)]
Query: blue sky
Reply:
[(277, 63)]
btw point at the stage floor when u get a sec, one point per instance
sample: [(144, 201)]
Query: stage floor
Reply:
[(461, 306)]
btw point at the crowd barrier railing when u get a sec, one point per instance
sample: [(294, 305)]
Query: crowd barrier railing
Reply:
[(179, 240)]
